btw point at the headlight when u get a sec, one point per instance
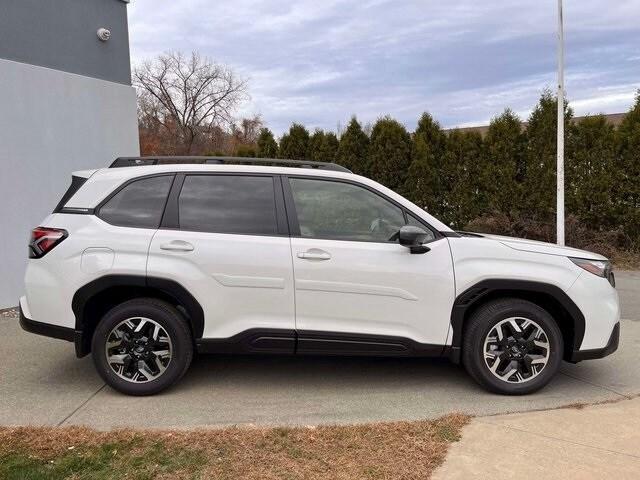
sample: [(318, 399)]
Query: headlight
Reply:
[(601, 268)]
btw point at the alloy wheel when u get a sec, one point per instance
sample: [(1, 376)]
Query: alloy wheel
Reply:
[(138, 350), (516, 350)]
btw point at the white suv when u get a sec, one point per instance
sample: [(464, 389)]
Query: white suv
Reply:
[(144, 266)]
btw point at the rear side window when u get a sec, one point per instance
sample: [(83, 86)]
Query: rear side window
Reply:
[(228, 204), (76, 183), (138, 204)]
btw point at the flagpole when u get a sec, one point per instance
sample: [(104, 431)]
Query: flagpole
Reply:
[(560, 137)]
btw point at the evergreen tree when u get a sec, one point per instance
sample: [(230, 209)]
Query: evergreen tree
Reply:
[(431, 131), (505, 148), (267, 146), (294, 145), (590, 165), (540, 159), (419, 186), (461, 173), (328, 150), (390, 153), (423, 185), (315, 144), (628, 181), (353, 148)]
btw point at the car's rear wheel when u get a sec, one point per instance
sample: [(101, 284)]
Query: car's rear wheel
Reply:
[(142, 346), (512, 346)]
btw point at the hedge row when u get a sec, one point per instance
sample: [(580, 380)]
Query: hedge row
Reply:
[(461, 176)]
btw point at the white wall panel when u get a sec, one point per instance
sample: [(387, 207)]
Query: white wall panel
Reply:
[(51, 123)]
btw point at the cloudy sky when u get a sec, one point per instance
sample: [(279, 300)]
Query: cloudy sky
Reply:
[(318, 62)]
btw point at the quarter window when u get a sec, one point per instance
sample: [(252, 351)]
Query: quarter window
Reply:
[(343, 211), (414, 222), (228, 204), (138, 204)]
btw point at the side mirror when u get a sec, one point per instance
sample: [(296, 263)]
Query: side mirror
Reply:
[(413, 238)]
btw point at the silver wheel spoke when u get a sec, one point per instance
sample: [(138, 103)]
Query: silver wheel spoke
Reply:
[(156, 332), (161, 367), (140, 325), (515, 325), (495, 365), (541, 344), (144, 368), (508, 374), (537, 359), (114, 344), (117, 359)]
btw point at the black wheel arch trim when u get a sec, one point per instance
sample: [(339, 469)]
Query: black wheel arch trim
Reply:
[(170, 288), (472, 296)]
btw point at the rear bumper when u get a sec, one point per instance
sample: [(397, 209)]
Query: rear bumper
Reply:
[(53, 331), (609, 348)]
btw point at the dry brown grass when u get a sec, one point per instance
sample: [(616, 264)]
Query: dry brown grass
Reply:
[(626, 260), (9, 312), (399, 450)]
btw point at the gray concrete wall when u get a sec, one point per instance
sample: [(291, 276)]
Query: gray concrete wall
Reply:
[(61, 34), (51, 123)]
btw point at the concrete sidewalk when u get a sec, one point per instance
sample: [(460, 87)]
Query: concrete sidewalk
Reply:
[(593, 442)]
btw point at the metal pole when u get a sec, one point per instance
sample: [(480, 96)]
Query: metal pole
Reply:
[(560, 139)]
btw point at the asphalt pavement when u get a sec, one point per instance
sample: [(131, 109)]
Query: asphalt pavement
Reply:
[(43, 383)]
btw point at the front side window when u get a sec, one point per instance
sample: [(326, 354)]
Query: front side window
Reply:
[(238, 204), (342, 211), (138, 204)]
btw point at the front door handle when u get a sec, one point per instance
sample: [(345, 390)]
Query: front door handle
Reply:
[(177, 246), (314, 254)]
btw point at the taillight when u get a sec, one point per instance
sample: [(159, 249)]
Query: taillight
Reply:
[(43, 240)]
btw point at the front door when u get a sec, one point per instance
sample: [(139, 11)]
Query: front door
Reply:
[(357, 290)]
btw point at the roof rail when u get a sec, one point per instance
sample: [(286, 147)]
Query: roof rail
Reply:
[(179, 160)]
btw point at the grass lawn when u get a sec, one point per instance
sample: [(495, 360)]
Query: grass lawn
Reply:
[(400, 450)]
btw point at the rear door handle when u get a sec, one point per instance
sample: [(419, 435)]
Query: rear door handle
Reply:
[(177, 246), (314, 254)]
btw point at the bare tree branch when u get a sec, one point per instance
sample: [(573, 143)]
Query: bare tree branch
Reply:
[(188, 96)]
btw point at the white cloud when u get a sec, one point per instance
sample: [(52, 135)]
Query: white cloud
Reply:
[(318, 62)]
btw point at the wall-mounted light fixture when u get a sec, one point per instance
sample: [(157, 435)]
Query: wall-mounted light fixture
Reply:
[(104, 34)]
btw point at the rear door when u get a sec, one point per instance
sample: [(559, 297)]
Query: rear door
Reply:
[(224, 237), (357, 289)]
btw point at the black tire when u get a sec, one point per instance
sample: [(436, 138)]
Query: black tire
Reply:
[(481, 324), (175, 326)]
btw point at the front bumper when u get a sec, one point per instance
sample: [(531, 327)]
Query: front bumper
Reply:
[(608, 349), (53, 331)]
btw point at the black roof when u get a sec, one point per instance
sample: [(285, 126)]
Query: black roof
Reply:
[(185, 160)]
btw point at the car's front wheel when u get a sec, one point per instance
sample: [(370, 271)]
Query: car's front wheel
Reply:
[(512, 346), (142, 346)]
